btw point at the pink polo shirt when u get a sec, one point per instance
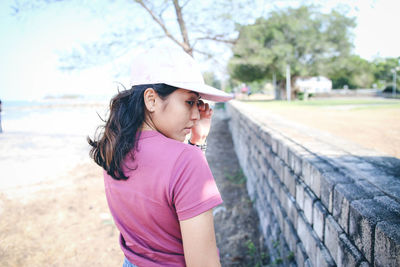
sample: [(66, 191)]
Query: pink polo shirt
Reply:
[(168, 181)]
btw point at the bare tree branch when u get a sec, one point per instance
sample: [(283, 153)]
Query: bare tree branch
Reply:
[(216, 38), (182, 27), (162, 9), (162, 25), (208, 55), (185, 4)]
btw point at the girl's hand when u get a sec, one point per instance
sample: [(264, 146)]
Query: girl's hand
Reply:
[(202, 128)]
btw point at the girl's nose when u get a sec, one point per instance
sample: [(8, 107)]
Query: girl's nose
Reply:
[(195, 113)]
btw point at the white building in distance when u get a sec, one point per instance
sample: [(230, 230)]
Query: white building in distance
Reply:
[(312, 85)]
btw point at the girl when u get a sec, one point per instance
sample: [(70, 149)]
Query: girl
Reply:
[(159, 188)]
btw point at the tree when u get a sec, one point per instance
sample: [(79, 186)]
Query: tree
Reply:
[(383, 71), (211, 79), (198, 27), (353, 72), (303, 38)]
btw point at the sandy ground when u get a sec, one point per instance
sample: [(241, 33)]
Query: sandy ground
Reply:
[(59, 223), (66, 221)]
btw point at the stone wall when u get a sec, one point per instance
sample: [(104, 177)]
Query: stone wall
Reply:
[(322, 201)]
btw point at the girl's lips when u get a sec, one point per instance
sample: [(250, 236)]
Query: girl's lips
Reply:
[(187, 130)]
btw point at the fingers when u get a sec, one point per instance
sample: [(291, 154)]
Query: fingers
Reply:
[(205, 108), (201, 105)]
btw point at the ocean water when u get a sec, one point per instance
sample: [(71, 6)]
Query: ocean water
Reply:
[(43, 140)]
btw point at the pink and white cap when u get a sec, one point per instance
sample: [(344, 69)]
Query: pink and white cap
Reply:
[(175, 68)]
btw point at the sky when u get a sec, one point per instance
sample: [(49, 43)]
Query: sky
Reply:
[(32, 42)]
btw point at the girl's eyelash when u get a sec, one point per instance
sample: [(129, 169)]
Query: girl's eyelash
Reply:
[(190, 102)]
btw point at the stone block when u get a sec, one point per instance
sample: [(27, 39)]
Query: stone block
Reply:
[(264, 183), (283, 198), (280, 168), (289, 181), (259, 160), (352, 163), (369, 188), (307, 263), (275, 230), (319, 215), (264, 166), (306, 170), (387, 183), (300, 255), (274, 163), (348, 254), (264, 223), (307, 237), (260, 194), (280, 216), (290, 234), (251, 188), (309, 199), (277, 210), (389, 203), (292, 209), (332, 234), (364, 215), (266, 136), (343, 195), (267, 229), (364, 264), (274, 144), (283, 152), (269, 173), (387, 243), (295, 160), (300, 193), (267, 191), (324, 259), (328, 182), (275, 183), (264, 150), (269, 156), (312, 169)]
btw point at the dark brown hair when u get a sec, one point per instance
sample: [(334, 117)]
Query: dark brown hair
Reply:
[(119, 136)]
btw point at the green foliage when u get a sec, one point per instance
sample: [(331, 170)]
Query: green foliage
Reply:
[(257, 258), (251, 247), (237, 178), (383, 74), (352, 71), (304, 38), (211, 79), (290, 257), (278, 261)]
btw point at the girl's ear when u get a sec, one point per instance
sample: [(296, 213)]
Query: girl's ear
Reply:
[(150, 96)]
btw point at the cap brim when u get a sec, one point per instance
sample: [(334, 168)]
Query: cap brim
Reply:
[(206, 92)]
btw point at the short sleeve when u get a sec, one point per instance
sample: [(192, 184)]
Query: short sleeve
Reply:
[(194, 190)]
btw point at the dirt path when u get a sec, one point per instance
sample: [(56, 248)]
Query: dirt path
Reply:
[(66, 222), (236, 222)]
